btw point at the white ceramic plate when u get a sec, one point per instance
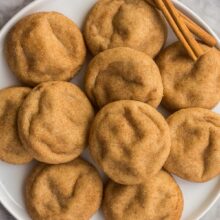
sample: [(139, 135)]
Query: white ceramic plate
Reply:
[(198, 198)]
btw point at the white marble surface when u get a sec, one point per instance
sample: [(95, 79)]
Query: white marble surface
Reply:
[(209, 10)]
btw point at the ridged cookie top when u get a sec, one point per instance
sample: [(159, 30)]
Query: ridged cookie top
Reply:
[(195, 148), (188, 83), (130, 141), (125, 23), (65, 191), (54, 122), (123, 74), (157, 198), (11, 148), (45, 46)]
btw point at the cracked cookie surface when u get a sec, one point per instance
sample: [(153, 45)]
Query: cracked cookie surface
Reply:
[(188, 83), (71, 191), (11, 148), (125, 23), (54, 122), (126, 137), (195, 148), (157, 198), (45, 46), (123, 74)]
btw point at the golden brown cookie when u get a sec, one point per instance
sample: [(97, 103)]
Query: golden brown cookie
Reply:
[(195, 148), (188, 83), (125, 23), (157, 198), (122, 74), (11, 148), (130, 141), (54, 122), (71, 191), (45, 46)]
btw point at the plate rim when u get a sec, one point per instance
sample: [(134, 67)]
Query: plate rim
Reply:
[(181, 6)]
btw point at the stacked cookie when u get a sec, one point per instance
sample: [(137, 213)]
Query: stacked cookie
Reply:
[(128, 138), (50, 122)]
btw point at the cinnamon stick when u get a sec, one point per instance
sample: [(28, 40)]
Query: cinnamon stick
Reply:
[(197, 49), (160, 4), (194, 28), (198, 31)]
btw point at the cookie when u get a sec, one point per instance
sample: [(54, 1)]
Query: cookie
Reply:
[(11, 148), (195, 149), (54, 122), (188, 83), (123, 74), (130, 141), (71, 191), (157, 198), (45, 46), (125, 23)]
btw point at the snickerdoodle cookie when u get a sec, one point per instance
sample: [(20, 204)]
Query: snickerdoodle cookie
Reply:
[(125, 23), (122, 74), (157, 198), (130, 141), (195, 148), (11, 148), (54, 122), (71, 191), (45, 46), (188, 83)]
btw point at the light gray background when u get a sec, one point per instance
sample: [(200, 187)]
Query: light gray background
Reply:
[(209, 10)]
